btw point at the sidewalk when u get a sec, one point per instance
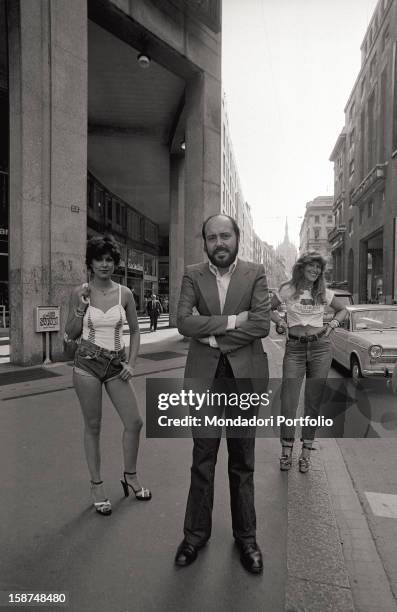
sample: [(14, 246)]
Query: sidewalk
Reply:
[(310, 528)]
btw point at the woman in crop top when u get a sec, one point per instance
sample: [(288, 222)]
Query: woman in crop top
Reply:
[(308, 351), (97, 313)]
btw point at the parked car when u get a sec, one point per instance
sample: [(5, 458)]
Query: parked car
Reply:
[(366, 342), (343, 296)]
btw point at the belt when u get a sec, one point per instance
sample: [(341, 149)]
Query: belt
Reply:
[(101, 349), (306, 339)]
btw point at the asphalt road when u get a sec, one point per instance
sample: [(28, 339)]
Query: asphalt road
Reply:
[(52, 539)]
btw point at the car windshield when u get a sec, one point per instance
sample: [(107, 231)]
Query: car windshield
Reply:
[(374, 319)]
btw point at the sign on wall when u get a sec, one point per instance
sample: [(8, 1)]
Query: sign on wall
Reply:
[(47, 318)]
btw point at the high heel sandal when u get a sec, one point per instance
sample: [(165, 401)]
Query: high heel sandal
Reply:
[(286, 457), (304, 460), (102, 507), (141, 494)]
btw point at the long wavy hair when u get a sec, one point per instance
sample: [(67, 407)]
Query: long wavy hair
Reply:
[(297, 282)]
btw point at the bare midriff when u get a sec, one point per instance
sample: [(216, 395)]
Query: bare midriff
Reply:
[(305, 330)]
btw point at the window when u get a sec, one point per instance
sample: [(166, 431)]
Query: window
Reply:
[(317, 219), (370, 208), (362, 90), (316, 233), (372, 66), (360, 215), (124, 217), (109, 209), (352, 138), (352, 111), (385, 37), (329, 219), (350, 227), (351, 167)]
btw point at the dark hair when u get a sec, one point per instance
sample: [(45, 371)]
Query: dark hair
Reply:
[(102, 245), (233, 222), (297, 281)]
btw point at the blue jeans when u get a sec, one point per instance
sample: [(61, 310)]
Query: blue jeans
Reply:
[(312, 359)]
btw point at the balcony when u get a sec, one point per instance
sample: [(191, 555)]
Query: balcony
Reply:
[(336, 236), (339, 200), (373, 182)]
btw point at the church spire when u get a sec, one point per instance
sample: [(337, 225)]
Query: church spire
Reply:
[(286, 237)]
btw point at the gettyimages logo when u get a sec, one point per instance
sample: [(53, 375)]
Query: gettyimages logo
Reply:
[(180, 408)]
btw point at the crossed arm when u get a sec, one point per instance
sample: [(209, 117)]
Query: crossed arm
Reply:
[(249, 326)]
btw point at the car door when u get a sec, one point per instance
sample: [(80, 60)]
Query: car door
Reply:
[(340, 339)]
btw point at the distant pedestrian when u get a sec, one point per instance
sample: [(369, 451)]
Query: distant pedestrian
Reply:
[(97, 313), (154, 310), (308, 351), (165, 304)]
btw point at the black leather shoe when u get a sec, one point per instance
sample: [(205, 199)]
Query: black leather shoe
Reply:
[(251, 558), (186, 554)]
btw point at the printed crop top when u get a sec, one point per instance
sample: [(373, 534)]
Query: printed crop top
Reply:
[(105, 329), (302, 310)]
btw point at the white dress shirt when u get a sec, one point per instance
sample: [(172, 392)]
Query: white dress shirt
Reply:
[(223, 282)]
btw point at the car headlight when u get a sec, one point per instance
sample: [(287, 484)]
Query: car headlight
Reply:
[(375, 351)]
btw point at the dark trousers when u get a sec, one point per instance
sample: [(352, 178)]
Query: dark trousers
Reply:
[(198, 517), (153, 320)]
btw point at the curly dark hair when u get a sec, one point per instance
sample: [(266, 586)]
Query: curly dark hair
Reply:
[(297, 281), (102, 245)]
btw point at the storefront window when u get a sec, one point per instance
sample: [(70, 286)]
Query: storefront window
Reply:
[(135, 260), (150, 265)]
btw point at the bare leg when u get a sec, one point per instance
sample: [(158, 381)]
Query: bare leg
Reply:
[(124, 399), (89, 392)]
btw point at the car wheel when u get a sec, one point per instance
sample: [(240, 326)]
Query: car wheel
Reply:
[(355, 370)]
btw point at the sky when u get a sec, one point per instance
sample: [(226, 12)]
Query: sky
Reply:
[(288, 68)]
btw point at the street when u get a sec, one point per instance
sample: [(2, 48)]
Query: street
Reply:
[(325, 545)]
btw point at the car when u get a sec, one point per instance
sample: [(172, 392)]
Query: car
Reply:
[(366, 341), (345, 297)]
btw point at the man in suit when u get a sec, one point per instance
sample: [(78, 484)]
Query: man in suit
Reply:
[(224, 308), (154, 310)]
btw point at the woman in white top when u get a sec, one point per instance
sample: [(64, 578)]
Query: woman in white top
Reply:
[(308, 352), (97, 313)]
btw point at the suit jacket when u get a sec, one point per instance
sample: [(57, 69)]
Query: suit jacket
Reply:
[(247, 291), (153, 307)]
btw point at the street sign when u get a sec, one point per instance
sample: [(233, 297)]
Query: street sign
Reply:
[(47, 318)]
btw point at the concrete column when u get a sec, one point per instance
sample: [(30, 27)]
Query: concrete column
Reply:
[(48, 167), (203, 160), (176, 235)]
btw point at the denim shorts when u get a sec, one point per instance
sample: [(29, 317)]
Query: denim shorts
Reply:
[(98, 362)]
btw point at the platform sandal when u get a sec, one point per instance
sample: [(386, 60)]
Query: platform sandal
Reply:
[(286, 456), (304, 458), (141, 494), (102, 507)]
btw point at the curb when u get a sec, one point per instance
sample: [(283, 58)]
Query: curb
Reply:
[(317, 579), (369, 583)]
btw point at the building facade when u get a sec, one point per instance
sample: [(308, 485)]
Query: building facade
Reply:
[(364, 240), (233, 202), (129, 95), (317, 222)]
